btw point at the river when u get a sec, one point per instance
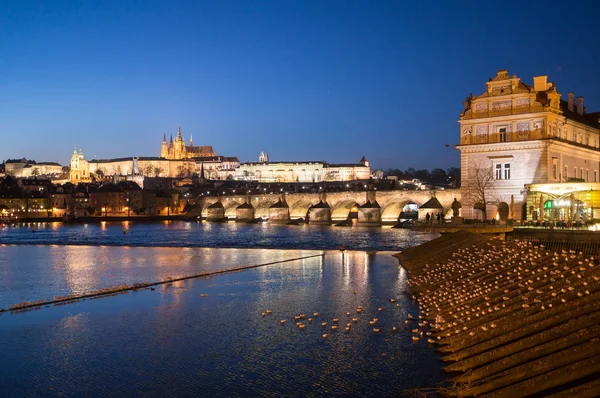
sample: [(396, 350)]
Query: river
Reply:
[(207, 336)]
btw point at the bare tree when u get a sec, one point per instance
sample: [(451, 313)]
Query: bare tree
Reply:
[(478, 190), (148, 169)]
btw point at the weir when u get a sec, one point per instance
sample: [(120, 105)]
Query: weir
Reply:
[(27, 305)]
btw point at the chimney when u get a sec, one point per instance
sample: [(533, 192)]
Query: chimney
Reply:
[(571, 101), (540, 83), (580, 105)]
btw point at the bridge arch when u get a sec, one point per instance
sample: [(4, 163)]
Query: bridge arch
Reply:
[(299, 209), (342, 209), (393, 209), (230, 208), (261, 208)]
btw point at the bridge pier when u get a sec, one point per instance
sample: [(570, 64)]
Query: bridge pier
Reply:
[(279, 213), (215, 212), (320, 214), (244, 212), (369, 215)]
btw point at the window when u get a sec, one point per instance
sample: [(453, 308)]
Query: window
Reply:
[(502, 134), (502, 171), (566, 176), (507, 171), (581, 174), (574, 172), (587, 175), (554, 168)]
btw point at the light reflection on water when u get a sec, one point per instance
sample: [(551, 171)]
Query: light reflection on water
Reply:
[(41, 272), (173, 342), (203, 234)]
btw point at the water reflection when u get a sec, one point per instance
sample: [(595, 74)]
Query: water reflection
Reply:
[(181, 234), (41, 272), (219, 344)]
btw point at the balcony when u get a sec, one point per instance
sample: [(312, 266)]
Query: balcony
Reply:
[(504, 112)]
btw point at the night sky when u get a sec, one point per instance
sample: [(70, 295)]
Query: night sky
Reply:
[(323, 80)]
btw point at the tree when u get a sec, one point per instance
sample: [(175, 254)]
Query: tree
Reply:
[(148, 169), (478, 191), (35, 172), (182, 171), (158, 171)]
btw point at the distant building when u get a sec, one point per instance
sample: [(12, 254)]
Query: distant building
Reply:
[(80, 168), (518, 134), (265, 171), (23, 168), (179, 150)]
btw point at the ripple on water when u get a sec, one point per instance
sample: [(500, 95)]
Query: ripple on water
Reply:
[(173, 341)]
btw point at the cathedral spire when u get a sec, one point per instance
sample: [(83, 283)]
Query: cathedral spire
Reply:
[(179, 131), (165, 137), (191, 142), (171, 139)]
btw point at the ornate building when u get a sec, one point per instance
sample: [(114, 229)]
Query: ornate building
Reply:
[(178, 150), (514, 134), (80, 168)]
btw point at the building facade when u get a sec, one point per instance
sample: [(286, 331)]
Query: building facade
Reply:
[(309, 172), (515, 134), (80, 168), (30, 168)]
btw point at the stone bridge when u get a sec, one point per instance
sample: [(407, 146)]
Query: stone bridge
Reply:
[(373, 207)]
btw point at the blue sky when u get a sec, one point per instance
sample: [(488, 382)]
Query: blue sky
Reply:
[(305, 80)]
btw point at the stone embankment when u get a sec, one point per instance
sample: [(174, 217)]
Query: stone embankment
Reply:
[(511, 319)]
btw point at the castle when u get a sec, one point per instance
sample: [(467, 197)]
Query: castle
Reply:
[(178, 150)]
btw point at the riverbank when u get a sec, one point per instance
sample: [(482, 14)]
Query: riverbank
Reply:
[(511, 319)]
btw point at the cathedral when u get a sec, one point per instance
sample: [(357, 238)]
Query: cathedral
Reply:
[(178, 150)]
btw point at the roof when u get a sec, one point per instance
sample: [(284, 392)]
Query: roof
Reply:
[(432, 203), (107, 188), (321, 205), (286, 162), (371, 205), (17, 161), (279, 205), (216, 205), (129, 186), (590, 119), (49, 164), (345, 165)]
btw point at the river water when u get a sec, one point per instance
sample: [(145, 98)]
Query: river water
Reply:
[(207, 336)]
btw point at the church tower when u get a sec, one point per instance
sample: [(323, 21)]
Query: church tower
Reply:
[(179, 146), (263, 157), (80, 168), (164, 149)]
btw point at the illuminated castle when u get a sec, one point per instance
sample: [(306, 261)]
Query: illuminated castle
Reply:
[(178, 150)]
